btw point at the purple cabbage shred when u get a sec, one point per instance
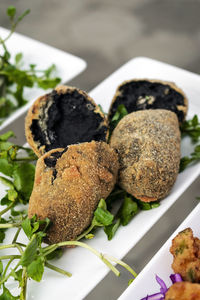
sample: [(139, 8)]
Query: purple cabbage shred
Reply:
[(163, 288)]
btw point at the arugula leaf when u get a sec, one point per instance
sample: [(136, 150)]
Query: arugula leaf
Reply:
[(191, 128), (110, 230), (4, 137), (128, 209), (6, 295), (26, 225), (12, 195), (17, 275), (120, 113), (23, 175), (6, 167), (18, 58), (187, 160), (31, 226), (35, 270), (102, 215), (147, 205), (30, 252), (5, 201), (47, 83), (13, 79)]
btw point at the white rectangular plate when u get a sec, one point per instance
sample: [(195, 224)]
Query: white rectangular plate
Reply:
[(34, 52), (145, 284), (87, 270)]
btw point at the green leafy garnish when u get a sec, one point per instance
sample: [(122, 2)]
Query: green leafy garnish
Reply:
[(120, 113), (33, 257), (187, 160), (191, 128), (110, 230), (128, 209), (14, 79)]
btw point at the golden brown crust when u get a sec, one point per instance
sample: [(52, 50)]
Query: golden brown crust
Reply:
[(186, 251), (148, 145), (183, 108), (183, 291), (69, 192), (35, 111)]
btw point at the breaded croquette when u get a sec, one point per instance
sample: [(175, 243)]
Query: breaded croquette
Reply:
[(142, 94), (183, 291), (64, 117), (148, 145), (186, 251), (69, 184)]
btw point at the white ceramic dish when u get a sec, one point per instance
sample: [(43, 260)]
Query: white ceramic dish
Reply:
[(34, 52), (160, 264), (87, 270)]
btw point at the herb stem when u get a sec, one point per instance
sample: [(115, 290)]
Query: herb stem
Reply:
[(54, 268), (10, 225), (123, 264), (16, 235), (6, 209), (23, 285), (10, 257), (7, 266), (12, 246), (83, 245), (50, 250), (20, 244), (24, 159), (85, 232), (6, 278)]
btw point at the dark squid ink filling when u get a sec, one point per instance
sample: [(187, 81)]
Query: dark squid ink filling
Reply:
[(51, 161), (140, 95), (71, 120)]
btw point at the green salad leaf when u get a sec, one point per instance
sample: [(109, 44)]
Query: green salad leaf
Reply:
[(14, 78)]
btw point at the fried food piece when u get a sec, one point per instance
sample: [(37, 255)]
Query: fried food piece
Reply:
[(186, 251), (68, 186), (183, 291), (140, 94), (148, 145), (64, 117)]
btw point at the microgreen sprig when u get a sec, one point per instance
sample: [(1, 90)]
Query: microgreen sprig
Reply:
[(13, 78)]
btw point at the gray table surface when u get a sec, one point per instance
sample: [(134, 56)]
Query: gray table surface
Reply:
[(107, 34)]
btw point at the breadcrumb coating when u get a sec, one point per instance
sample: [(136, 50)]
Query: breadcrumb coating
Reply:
[(186, 252), (183, 291), (148, 145), (68, 186)]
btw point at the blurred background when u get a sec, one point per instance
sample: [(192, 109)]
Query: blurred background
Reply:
[(108, 33)]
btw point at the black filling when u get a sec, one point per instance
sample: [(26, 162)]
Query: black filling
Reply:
[(51, 162), (140, 95), (71, 120)]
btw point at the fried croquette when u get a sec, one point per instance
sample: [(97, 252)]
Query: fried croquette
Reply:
[(148, 145), (183, 291), (64, 117), (140, 94), (186, 252), (68, 186)]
